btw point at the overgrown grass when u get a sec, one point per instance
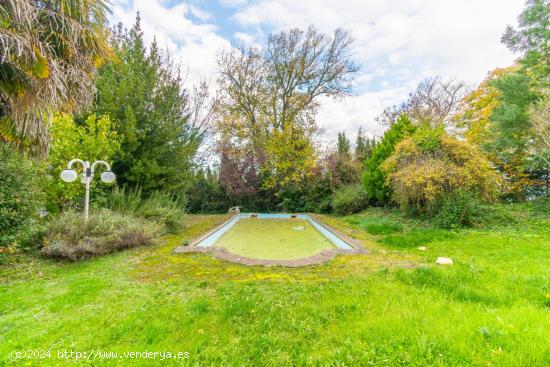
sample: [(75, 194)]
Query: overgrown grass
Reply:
[(377, 226), (162, 207), (391, 307), (417, 237)]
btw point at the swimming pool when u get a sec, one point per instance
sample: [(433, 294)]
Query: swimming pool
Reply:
[(213, 238)]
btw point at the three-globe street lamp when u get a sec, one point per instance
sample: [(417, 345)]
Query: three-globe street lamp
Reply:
[(70, 175)]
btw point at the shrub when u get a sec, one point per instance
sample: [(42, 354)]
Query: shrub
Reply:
[(206, 194), (69, 237), (20, 197), (458, 209), (430, 164), (162, 207), (349, 199), (314, 197)]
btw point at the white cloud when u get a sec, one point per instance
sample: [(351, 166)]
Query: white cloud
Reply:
[(245, 38), (233, 3), (398, 43), (192, 44)]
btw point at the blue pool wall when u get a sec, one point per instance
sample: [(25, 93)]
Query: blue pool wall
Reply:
[(214, 237)]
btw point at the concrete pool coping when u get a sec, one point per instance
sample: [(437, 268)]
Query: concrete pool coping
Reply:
[(222, 253)]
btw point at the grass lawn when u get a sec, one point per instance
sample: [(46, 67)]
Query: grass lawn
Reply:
[(278, 239), (391, 307)]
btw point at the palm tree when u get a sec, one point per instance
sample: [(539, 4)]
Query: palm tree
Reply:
[(49, 53)]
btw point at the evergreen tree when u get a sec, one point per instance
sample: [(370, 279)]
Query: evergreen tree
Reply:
[(344, 146), (511, 136), (532, 38), (361, 145), (343, 169), (142, 94), (374, 177)]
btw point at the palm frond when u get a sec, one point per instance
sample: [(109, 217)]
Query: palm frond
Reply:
[(50, 53)]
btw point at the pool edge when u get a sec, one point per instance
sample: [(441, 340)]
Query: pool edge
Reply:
[(325, 255), (210, 232), (352, 242)]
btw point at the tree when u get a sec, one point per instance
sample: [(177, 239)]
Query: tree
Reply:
[(344, 146), (50, 53), (91, 139), (539, 117), (238, 174), (476, 108), (206, 195), (532, 38), (511, 135), (290, 158), (142, 93), (435, 101), (430, 164), (270, 96), (374, 177), (363, 147), (342, 168)]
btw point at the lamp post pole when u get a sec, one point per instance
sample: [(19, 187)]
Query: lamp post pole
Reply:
[(69, 175)]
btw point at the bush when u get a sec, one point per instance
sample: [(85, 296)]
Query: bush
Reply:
[(162, 207), (350, 199), (69, 237), (20, 197), (430, 164), (206, 194), (458, 209)]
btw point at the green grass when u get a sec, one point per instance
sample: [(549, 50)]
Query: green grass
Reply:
[(417, 237), (391, 307), (275, 239), (375, 225)]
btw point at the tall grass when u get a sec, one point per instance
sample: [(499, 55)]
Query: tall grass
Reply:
[(160, 206)]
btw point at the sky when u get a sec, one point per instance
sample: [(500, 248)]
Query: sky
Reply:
[(398, 43)]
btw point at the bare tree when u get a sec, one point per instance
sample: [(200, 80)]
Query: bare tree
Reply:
[(272, 92), (303, 66), (202, 107), (281, 83), (435, 100), (241, 84)]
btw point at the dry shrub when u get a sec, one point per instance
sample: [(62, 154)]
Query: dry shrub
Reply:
[(69, 237)]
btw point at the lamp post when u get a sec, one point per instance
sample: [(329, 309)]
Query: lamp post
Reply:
[(70, 175)]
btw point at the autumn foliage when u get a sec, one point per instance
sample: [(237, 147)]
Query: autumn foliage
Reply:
[(431, 164)]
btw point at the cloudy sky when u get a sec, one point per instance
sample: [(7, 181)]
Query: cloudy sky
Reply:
[(397, 42)]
